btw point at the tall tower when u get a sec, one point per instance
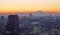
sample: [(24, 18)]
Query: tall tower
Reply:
[(30, 16), (12, 27)]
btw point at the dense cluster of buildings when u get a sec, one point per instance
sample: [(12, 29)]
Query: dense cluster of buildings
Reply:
[(43, 25)]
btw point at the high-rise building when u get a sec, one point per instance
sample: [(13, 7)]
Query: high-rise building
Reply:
[(12, 27), (2, 25), (30, 16)]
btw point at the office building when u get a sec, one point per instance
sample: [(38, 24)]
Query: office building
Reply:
[(12, 27)]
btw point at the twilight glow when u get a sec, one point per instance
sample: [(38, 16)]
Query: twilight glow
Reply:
[(13, 6)]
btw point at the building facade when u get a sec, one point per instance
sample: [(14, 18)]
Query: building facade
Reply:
[(12, 27)]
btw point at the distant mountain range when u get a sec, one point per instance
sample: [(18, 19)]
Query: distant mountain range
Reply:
[(38, 13)]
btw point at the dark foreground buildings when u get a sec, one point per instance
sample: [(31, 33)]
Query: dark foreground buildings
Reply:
[(2, 25), (43, 25), (12, 27)]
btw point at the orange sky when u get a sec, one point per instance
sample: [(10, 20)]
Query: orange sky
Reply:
[(13, 6)]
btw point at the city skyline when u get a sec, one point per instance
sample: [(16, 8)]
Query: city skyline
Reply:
[(28, 6), (14, 25)]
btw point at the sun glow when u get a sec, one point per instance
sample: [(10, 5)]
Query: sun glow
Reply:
[(13, 6)]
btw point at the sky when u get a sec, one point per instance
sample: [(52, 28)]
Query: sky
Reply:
[(14, 6)]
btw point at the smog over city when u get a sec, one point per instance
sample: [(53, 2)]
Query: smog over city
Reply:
[(29, 17)]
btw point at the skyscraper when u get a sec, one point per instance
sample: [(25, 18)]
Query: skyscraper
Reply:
[(12, 27), (2, 25), (30, 15)]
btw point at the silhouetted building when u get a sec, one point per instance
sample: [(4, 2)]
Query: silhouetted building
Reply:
[(12, 27), (2, 25), (30, 16)]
